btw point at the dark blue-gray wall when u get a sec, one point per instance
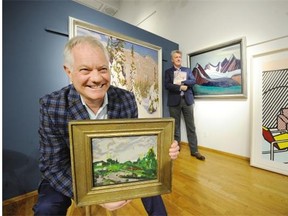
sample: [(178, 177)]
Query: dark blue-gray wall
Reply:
[(32, 67)]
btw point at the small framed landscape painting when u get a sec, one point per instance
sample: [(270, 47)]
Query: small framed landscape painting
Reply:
[(120, 159)]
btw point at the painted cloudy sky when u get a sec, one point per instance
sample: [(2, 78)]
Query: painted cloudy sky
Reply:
[(123, 148)]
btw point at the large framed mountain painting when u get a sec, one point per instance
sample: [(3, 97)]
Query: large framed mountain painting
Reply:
[(220, 71), (135, 65)]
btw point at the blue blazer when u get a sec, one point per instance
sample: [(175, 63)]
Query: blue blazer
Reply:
[(174, 96), (56, 110)]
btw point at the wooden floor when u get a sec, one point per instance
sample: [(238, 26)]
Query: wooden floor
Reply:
[(220, 185)]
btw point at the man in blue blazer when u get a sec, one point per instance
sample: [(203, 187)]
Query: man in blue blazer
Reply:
[(90, 96), (179, 82)]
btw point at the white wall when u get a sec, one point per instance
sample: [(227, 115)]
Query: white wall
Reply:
[(222, 124)]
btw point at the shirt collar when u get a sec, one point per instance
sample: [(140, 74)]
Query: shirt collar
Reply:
[(176, 69), (102, 112)]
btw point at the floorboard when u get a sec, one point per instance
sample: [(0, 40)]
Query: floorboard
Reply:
[(221, 185)]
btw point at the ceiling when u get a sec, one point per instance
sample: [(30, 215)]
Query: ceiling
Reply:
[(109, 7)]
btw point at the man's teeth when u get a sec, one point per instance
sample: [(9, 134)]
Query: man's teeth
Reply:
[(97, 86)]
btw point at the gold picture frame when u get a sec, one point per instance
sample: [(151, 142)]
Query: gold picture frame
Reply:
[(113, 160)]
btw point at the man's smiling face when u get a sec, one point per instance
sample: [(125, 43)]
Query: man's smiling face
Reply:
[(90, 75)]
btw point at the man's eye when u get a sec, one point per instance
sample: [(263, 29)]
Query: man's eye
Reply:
[(104, 70), (84, 70)]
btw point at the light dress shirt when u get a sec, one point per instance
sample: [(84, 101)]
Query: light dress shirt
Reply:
[(102, 112)]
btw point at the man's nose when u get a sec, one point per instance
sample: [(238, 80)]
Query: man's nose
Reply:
[(95, 75)]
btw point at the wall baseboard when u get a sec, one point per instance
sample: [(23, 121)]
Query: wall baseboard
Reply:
[(220, 152), (20, 205)]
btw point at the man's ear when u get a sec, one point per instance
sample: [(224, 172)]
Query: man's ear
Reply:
[(68, 72)]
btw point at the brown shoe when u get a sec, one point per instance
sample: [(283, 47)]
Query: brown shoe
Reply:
[(198, 156)]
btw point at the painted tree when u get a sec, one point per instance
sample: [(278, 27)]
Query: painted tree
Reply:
[(115, 48), (133, 70)]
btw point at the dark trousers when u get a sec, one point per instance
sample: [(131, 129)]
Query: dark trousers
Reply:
[(51, 202), (188, 114)]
